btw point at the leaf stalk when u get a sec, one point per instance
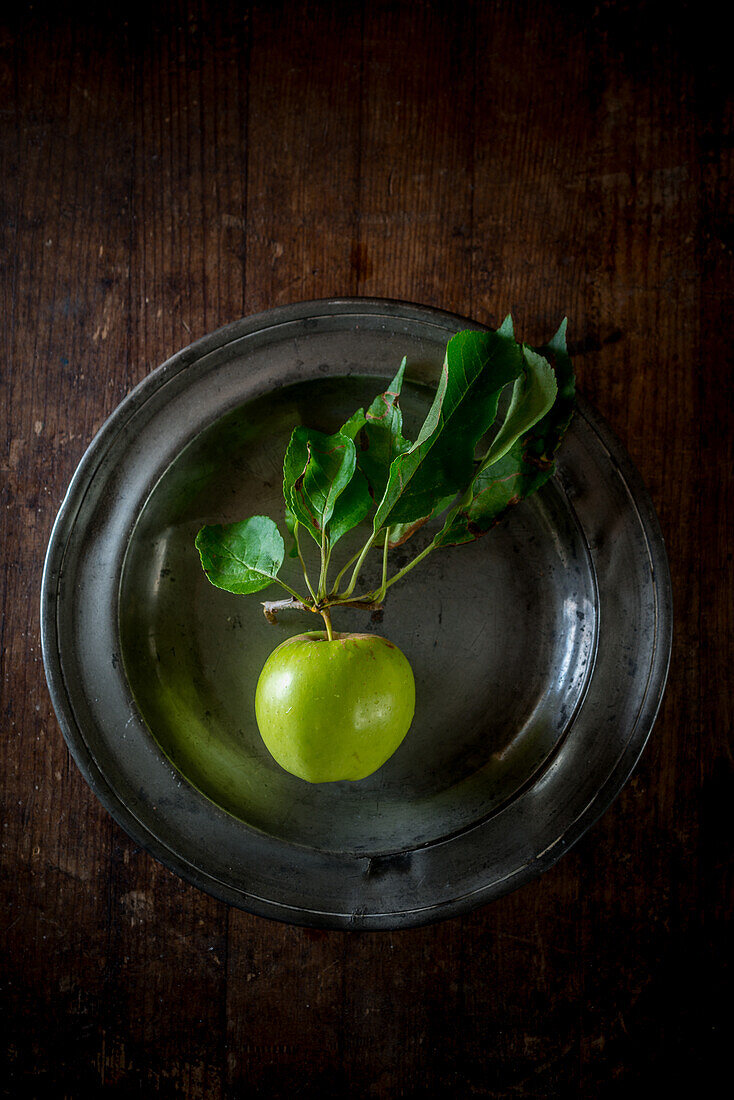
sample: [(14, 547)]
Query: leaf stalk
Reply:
[(411, 564), (301, 559), (360, 561)]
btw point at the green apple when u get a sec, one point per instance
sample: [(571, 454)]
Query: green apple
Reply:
[(330, 710)]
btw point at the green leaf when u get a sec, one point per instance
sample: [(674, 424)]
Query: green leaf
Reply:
[(532, 396), (290, 522), (354, 425), (507, 328), (513, 474), (241, 557), (355, 501), (354, 506), (497, 488), (316, 471), (351, 508), (441, 461), (401, 532), (551, 430), (383, 438)]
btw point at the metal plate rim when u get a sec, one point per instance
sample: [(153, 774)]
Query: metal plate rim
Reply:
[(74, 735)]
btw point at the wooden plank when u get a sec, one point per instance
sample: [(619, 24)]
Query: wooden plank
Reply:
[(284, 1008), (303, 141), (188, 233), (165, 994), (401, 991), (416, 167), (114, 196), (57, 292), (533, 134), (639, 863), (709, 949)]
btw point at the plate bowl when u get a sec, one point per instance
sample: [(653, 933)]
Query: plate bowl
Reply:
[(539, 652)]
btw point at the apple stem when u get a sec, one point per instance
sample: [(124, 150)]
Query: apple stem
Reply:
[(326, 616)]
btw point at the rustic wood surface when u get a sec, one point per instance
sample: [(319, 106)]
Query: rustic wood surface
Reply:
[(174, 168)]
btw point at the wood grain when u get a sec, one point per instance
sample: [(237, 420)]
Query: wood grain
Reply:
[(168, 172)]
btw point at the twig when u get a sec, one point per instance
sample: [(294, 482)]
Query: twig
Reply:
[(272, 607)]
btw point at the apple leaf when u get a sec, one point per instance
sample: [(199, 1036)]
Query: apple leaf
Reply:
[(551, 429), (532, 396), (351, 508), (401, 532), (383, 438), (478, 365), (331, 483), (507, 328), (355, 501), (241, 557), (316, 471), (354, 425), (497, 488), (509, 474), (290, 522)]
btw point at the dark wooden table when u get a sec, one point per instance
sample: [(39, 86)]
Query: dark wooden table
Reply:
[(166, 172)]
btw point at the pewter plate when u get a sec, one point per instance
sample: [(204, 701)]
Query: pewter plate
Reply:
[(540, 652)]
